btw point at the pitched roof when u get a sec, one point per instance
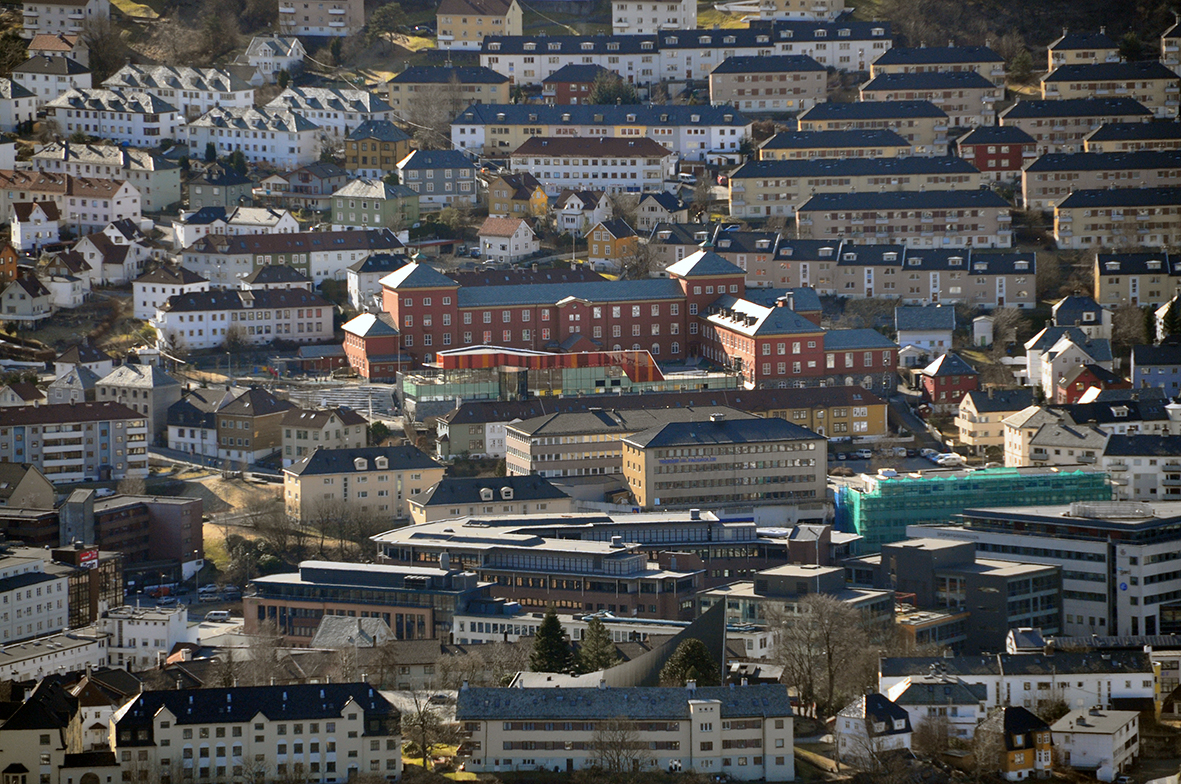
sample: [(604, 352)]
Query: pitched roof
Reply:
[(667, 201), (723, 431), (1164, 354), (780, 63), (878, 710), (583, 114), (57, 413), (1106, 161), (1088, 40), (363, 188), (853, 137), (443, 74), (125, 101), (928, 317), (577, 73), (379, 262), (232, 299), (299, 242), (436, 159), (84, 352), (1136, 263), (318, 419), (1061, 662), (935, 690), (1123, 131), (949, 365), (903, 200), (855, 167), (456, 491), (929, 80), (637, 703), (617, 228), (417, 276), (371, 325), (1075, 107), (24, 210), (382, 130), (1134, 70), (1123, 197), (997, 400), (341, 631), (591, 291), (11, 90), (139, 376), (53, 42), (501, 227), (51, 66), (254, 402), (251, 119), (605, 420), (998, 134), (704, 263), (601, 146), (275, 273), (344, 461), (170, 77), (1098, 372), (475, 7), (1141, 445), (871, 110), (937, 55), (1069, 310), (329, 99)]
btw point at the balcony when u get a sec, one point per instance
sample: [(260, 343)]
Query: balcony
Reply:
[(77, 16), (1086, 458), (1065, 218), (1039, 454), (336, 11), (336, 24), (287, 9), (1172, 466), (1117, 466), (1004, 218), (30, 13), (1171, 482)]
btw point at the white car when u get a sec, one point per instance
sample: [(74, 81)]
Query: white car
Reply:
[(950, 460)]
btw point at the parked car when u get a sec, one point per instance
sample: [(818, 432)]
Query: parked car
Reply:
[(687, 178), (208, 598), (951, 460), (842, 456), (207, 588), (899, 451), (475, 253), (927, 452), (166, 601), (217, 615), (912, 453), (863, 454)]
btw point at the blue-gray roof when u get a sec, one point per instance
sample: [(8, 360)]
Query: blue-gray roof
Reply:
[(904, 200), (995, 400), (437, 159), (382, 130), (344, 461), (996, 134), (205, 216), (1051, 334), (1120, 132), (418, 276), (750, 318), (941, 692), (1069, 311), (924, 318), (577, 72), (1137, 263), (852, 339), (801, 299), (855, 167), (666, 200), (704, 263), (1164, 354), (1107, 72), (442, 74), (569, 44), (782, 63), (641, 114), (854, 137), (1088, 40), (640, 703), (379, 262), (1141, 444), (929, 80), (724, 431), (937, 55), (1107, 161), (1122, 197), (949, 365), (872, 110), (1076, 107), (549, 293)]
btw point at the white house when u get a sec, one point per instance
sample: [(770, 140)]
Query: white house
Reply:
[(193, 91), (190, 227), (48, 77), (507, 240), (645, 18), (1040, 347), (61, 16), (1106, 741), (117, 251), (66, 291), (25, 301), (1067, 353), (869, 726), (151, 290), (576, 211), (133, 116), (34, 224), (927, 327), (941, 698), (615, 165), (17, 104), (364, 279), (202, 319), (138, 637), (155, 177), (271, 54), (335, 110), (285, 139)]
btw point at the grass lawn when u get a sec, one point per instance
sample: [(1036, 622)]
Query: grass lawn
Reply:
[(709, 17), (132, 8)]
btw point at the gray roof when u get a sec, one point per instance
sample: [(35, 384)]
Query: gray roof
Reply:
[(105, 155), (872, 110), (342, 461), (704, 263), (139, 376), (441, 74), (1076, 107), (949, 365), (581, 73), (10, 89), (1107, 161), (942, 691), (854, 137), (1157, 262), (1111, 72), (170, 77), (903, 200), (779, 63), (997, 400), (591, 291), (382, 130), (1061, 662), (1119, 132), (332, 99), (838, 339), (1094, 720), (1076, 436), (51, 66), (252, 119), (466, 490), (607, 420), (129, 101), (1143, 445), (1069, 311), (79, 377), (341, 631), (639, 703), (626, 114), (929, 80), (725, 431), (997, 134), (1164, 354), (1086, 40), (856, 167), (436, 159), (362, 188), (733, 314), (878, 709), (924, 318), (937, 55)]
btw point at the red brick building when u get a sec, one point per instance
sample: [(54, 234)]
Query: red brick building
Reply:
[(699, 310), (571, 84), (999, 151), (373, 347), (1075, 384), (946, 381)]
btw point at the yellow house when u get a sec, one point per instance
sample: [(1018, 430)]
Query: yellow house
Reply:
[(982, 413), (1024, 740), (516, 196), (462, 24), (611, 244), (1146, 81)]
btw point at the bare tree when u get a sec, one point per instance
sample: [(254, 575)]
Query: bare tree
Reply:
[(619, 746), (266, 652), (108, 52), (132, 485), (425, 726), (1127, 329), (931, 735), (431, 113), (625, 206), (988, 745), (638, 261)]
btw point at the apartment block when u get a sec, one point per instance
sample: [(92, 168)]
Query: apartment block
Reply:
[(965, 96), (791, 145), (75, 442), (918, 219), (998, 151), (941, 59), (1133, 137), (1062, 125), (335, 19), (1126, 218), (1146, 81), (759, 85), (1081, 49), (1150, 278), (203, 319), (629, 17), (375, 480), (464, 24), (922, 123), (34, 601), (1054, 176)]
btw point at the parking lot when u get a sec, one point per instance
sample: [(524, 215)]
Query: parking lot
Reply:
[(899, 464)]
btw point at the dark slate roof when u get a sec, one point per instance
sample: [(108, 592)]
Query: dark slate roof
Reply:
[(801, 299), (276, 273), (339, 461), (937, 55), (441, 74), (726, 431), (643, 114), (855, 167), (606, 420), (929, 317), (1069, 40), (780, 63), (854, 137), (436, 159), (1141, 445), (382, 130), (1164, 354), (702, 264), (904, 200), (577, 73), (878, 708), (417, 276), (873, 110), (550, 293), (379, 262), (942, 692), (1107, 161), (1136, 263), (998, 134), (520, 44), (1123, 197), (1120, 132), (1100, 374), (1012, 721), (1001, 399), (1110, 72), (949, 365), (255, 402), (1050, 335), (453, 491), (53, 66), (1076, 107), (666, 200), (1142, 410), (845, 339), (1069, 311), (231, 299), (1061, 662), (83, 353), (929, 80), (642, 704), (618, 228)]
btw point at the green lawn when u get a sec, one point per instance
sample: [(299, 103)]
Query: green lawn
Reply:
[(709, 17)]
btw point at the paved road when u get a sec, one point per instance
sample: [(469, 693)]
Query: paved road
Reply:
[(900, 413)]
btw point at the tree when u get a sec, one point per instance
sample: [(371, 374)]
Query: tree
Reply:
[(1021, 67), (1127, 329), (931, 735), (609, 89), (219, 32), (423, 725), (335, 49), (385, 20), (637, 261), (597, 651), (235, 339), (283, 79), (430, 114), (265, 651), (210, 152), (824, 647), (108, 52), (132, 485), (691, 661), (1048, 275), (551, 648), (1132, 48), (703, 195), (237, 162), (378, 433), (619, 746), (13, 50), (1171, 323)]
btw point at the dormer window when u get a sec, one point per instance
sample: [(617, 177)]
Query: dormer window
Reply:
[(979, 266), (695, 118), (612, 47), (485, 493), (506, 494), (1021, 265), (1112, 266), (672, 39), (762, 244), (821, 34), (554, 47), (849, 256), (495, 47), (381, 463), (533, 118), (914, 262), (891, 256), (1089, 316), (786, 251), (826, 252), (631, 118), (664, 118), (646, 46), (705, 39), (588, 47), (1154, 264), (500, 116), (598, 118), (843, 32), (529, 47), (729, 39), (360, 463), (566, 117), (1120, 412), (723, 243), (877, 32), (701, 236), (763, 39), (956, 261)]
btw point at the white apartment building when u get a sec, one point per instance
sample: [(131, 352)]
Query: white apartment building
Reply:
[(32, 603), (156, 178), (611, 165), (49, 77), (192, 226), (61, 16), (140, 638), (193, 91), (1105, 741), (133, 116), (286, 139), (271, 54), (631, 17), (202, 319), (336, 111), (57, 653)]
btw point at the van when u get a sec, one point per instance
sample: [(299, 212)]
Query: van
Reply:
[(687, 178), (864, 454), (217, 615)]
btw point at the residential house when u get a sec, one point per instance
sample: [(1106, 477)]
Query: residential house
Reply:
[(143, 388), (9, 261), (827, 10), (203, 319), (779, 187), (133, 116), (576, 211), (117, 258), (965, 96), (463, 24), (308, 187), (419, 87), (1135, 278), (613, 164), (21, 393), (1105, 741), (939, 700), (1084, 312), (441, 178), (65, 291), (628, 18), (946, 380), (34, 225), (1158, 366), (75, 385), (25, 301), (1147, 81), (193, 91), (1118, 218), (71, 264), (334, 19), (120, 438), (84, 354), (941, 59), (275, 277), (233, 222), (151, 290), (271, 54), (1162, 330), (364, 279), (18, 105), (999, 151), (374, 148), (657, 208), (1081, 49), (217, 186), (192, 421), (947, 219), (1053, 176), (571, 84), (1055, 351), (373, 346), (506, 240), (42, 731), (1132, 137), (336, 111), (1061, 125), (922, 123), (1027, 742), (869, 727), (155, 177), (1170, 45), (250, 427), (516, 196), (981, 414), (61, 16), (453, 497), (278, 136), (305, 431), (332, 479), (374, 204), (21, 575), (928, 327), (611, 245), (1083, 381), (762, 85), (856, 143), (68, 45), (693, 132)]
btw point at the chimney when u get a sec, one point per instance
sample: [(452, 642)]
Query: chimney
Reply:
[(990, 391), (691, 686)]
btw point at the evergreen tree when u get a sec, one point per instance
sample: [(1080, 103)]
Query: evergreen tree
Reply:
[(1021, 69), (210, 152), (691, 661), (609, 89), (284, 79), (551, 649), (598, 650), (238, 162), (1171, 323)]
